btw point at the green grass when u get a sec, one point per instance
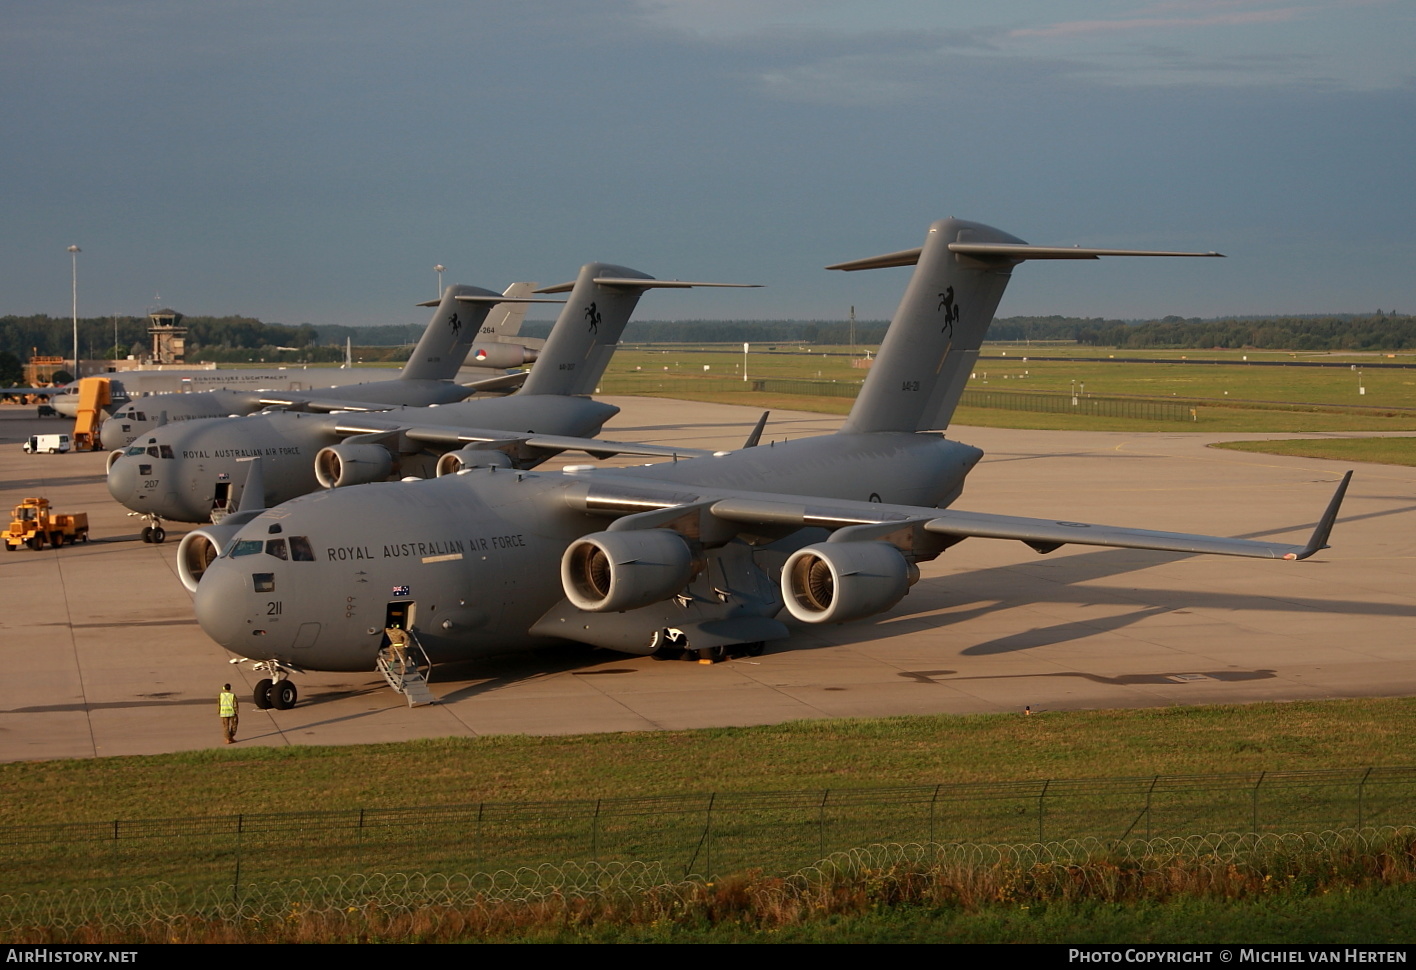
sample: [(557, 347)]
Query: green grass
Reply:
[(799, 755), (1226, 398), (1385, 451)]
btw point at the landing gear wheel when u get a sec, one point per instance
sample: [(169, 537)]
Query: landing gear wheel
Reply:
[(147, 533), (261, 695), (159, 534), (712, 655), (666, 645), (754, 649), (283, 695)]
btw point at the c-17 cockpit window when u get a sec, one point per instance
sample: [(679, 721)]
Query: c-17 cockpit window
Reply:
[(153, 451), (246, 547), (139, 416), (264, 582), (276, 548), (301, 550), (166, 451), (135, 450)]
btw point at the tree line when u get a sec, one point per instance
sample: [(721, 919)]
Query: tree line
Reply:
[(236, 338)]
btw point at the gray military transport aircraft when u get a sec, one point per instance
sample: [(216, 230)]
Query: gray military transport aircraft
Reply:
[(429, 376), (186, 472), (698, 554)]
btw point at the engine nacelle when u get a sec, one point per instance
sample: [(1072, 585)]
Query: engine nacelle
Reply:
[(112, 457), (200, 547), (455, 461), (356, 464), (500, 356), (608, 572), (834, 582)]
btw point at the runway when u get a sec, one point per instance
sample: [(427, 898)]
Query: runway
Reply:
[(103, 656)]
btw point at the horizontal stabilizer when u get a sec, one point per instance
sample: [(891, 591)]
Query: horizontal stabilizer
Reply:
[(1011, 252), (643, 284)]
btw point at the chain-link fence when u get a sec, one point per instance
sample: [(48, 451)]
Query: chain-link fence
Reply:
[(443, 905), (704, 834)]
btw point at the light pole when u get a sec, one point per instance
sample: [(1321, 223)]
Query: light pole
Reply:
[(439, 268), (74, 259)]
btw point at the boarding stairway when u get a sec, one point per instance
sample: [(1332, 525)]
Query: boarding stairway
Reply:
[(94, 396), (408, 673)]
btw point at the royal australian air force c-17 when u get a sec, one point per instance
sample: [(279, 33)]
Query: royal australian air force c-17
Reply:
[(198, 471), (453, 339), (695, 555)]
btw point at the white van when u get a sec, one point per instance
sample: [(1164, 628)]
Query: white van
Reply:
[(52, 443)]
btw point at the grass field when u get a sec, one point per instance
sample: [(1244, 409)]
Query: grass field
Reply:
[(800, 755), (1225, 398), (1386, 451)]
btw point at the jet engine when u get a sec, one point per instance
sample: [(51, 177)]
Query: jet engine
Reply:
[(834, 582), (353, 464), (608, 572), (455, 461), (500, 356), (200, 547)]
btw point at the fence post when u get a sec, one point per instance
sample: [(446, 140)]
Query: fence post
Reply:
[(821, 825), (595, 833), (708, 829), (1254, 803), (1040, 796), (236, 879), (932, 801), (1361, 792)]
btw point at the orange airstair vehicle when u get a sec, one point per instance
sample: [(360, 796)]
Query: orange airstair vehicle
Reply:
[(94, 396)]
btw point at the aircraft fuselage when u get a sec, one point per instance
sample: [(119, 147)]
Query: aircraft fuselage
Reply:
[(475, 557)]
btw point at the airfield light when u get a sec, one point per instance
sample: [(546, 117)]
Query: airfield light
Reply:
[(74, 259), (439, 270)]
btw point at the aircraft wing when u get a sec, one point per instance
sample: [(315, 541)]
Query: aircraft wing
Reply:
[(319, 403), (452, 438), (924, 532), (597, 447)]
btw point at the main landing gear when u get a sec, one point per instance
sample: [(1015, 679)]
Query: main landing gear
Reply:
[(276, 691), (673, 645)]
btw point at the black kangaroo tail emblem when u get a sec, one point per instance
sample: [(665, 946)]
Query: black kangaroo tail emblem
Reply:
[(951, 312), (593, 315)]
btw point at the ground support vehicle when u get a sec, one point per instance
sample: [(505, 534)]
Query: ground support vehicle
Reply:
[(33, 524)]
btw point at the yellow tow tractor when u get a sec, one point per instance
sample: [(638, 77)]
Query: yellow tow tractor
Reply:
[(33, 524)]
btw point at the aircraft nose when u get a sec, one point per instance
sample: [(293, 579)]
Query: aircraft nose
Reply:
[(224, 608), (123, 481)]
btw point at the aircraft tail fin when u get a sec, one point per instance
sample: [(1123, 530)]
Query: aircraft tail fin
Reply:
[(504, 322), (584, 337), (933, 341), (454, 327)]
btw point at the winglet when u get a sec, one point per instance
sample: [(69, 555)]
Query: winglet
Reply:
[(1320, 534), (756, 435)]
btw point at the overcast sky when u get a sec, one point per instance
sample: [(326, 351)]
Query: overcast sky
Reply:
[(312, 162)]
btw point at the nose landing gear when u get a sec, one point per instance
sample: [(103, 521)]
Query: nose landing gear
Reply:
[(153, 531), (276, 691)]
